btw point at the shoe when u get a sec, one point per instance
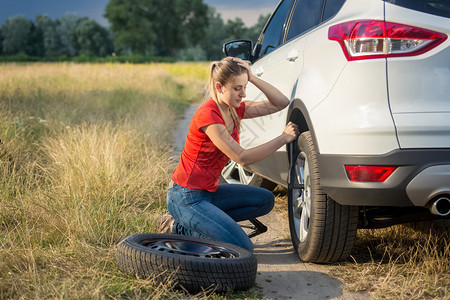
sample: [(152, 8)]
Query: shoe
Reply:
[(165, 224)]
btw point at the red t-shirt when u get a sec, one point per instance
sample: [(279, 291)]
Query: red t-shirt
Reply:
[(201, 162)]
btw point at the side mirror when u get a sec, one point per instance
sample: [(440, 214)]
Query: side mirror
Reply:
[(239, 48)]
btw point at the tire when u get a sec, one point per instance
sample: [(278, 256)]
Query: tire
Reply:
[(322, 231), (190, 263), (234, 173)]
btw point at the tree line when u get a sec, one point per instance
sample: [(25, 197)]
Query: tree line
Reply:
[(177, 29)]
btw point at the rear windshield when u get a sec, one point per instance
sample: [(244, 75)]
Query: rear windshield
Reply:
[(435, 7)]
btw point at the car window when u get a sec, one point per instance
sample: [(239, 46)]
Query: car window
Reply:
[(307, 14), (435, 7), (273, 34), (331, 8)]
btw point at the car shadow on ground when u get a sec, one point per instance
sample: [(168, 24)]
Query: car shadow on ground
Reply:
[(278, 252)]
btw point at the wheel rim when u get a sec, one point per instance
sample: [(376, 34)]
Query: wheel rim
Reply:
[(301, 204), (235, 173), (190, 248)]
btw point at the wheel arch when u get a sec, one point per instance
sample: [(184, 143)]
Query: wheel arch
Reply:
[(298, 114)]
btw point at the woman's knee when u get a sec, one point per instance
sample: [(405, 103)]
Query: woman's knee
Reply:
[(268, 200), (242, 241)]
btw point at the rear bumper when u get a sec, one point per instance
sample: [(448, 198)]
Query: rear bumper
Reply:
[(412, 164)]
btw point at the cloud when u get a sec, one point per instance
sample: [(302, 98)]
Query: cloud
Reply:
[(248, 10), (248, 16), (244, 5)]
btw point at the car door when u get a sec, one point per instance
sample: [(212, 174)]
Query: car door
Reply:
[(256, 131), (280, 62)]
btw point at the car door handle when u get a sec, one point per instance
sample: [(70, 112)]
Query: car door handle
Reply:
[(258, 72), (292, 55)]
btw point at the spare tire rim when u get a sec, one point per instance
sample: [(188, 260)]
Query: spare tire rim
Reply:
[(190, 248), (301, 204), (235, 173)]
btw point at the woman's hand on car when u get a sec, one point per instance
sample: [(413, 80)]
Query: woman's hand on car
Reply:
[(291, 132)]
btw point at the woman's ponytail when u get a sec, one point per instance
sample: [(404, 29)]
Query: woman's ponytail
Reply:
[(224, 71), (212, 83)]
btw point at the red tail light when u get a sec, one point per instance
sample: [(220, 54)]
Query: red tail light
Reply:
[(369, 173), (365, 39)]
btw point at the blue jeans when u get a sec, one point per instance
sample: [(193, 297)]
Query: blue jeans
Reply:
[(213, 215)]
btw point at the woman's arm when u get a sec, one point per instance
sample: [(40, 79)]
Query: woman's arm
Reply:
[(276, 101), (223, 140)]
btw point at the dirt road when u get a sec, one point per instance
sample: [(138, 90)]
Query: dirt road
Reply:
[(281, 274)]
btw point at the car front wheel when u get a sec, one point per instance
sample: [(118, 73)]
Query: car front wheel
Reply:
[(322, 231), (234, 173)]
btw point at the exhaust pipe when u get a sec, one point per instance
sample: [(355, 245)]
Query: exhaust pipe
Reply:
[(441, 206)]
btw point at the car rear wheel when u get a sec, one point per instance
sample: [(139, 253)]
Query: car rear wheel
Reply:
[(322, 231)]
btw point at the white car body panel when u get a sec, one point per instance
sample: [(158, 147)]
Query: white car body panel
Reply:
[(422, 111), (367, 9), (361, 125), (423, 130)]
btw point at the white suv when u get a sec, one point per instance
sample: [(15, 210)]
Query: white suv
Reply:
[(369, 83)]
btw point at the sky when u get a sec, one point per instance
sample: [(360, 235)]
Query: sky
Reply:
[(247, 10)]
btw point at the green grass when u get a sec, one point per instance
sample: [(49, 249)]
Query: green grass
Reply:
[(84, 161)]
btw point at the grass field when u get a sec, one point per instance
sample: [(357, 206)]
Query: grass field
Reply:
[(84, 161)]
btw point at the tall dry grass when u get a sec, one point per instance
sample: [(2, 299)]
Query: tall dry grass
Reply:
[(401, 262), (84, 161)]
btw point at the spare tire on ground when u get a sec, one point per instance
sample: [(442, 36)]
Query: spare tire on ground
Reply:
[(191, 263)]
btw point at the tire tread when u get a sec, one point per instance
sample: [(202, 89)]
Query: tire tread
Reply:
[(333, 226), (192, 273)]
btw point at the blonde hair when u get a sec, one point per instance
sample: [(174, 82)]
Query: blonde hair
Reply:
[(223, 72)]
